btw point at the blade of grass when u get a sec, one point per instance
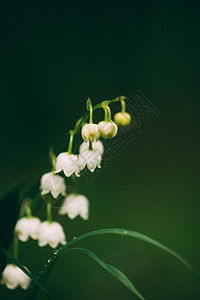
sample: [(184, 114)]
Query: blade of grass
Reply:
[(113, 270)]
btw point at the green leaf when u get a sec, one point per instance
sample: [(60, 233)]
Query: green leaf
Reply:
[(122, 232), (114, 271), (137, 235), (16, 262)]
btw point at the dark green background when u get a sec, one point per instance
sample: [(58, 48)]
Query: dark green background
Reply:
[(53, 58)]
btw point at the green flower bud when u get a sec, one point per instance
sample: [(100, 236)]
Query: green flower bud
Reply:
[(122, 118)]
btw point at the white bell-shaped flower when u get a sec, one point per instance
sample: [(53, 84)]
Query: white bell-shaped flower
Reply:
[(54, 184), (51, 233), (13, 277), (68, 163), (95, 145), (91, 158), (74, 205), (108, 129), (90, 132), (27, 227)]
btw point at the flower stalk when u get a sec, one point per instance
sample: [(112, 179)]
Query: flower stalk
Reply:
[(28, 210), (90, 146), (107, 116), (15, 247), (52, 159), (49, 215), (70, 142), (123, 105), (91, 115), (74, 179)]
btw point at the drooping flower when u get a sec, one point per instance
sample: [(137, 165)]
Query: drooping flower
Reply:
[(54, 184), (91, 158), (68, 163), (90, 132), (95, 145), (122, 118), (13, 277), (74, 205), (107, 129), (51, 233), (27, 227)]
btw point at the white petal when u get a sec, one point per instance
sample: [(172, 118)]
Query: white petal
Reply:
[(68, 163), (23, 279), (85, 133), (43, 234), (98, 146), (51, 233), (52, 183), (42, 242), (92, 158), (91, 132), (60, 160), (74, 205), (95, 145), (27, 227), (82, 162), (13, 276), (44, 192)]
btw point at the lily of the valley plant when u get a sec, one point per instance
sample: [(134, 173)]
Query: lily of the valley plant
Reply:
[(53, 185)]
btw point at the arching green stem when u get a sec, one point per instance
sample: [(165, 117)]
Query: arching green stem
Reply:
[(109, 113), (123, 104), (107, 116), (86, 115)]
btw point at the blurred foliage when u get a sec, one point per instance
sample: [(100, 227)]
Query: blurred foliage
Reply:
[(52, 59)]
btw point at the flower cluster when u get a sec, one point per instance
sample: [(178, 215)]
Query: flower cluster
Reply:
[(52, 184), (91, 151)]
